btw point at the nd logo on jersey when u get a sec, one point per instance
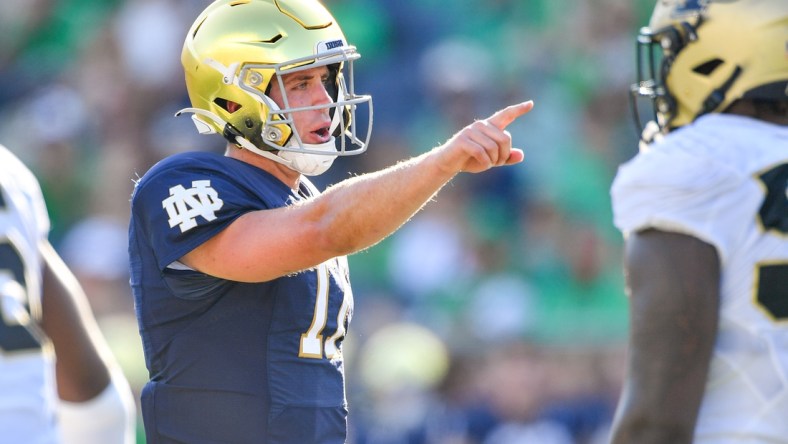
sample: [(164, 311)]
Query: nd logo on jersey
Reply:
[(184, 205)]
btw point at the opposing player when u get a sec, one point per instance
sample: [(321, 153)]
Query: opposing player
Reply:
[(704, 210), (238, 264), (58, 381)]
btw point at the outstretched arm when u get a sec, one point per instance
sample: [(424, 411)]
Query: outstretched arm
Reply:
[(673, 281), (356, 213)]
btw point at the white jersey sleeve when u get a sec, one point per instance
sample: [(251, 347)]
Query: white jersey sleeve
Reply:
[(673, 188), (25, 195), (27, 381)]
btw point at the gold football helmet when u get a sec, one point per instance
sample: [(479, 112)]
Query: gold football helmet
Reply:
[(709, 54), (233, 51)]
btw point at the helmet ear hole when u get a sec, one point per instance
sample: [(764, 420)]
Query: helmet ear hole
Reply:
[(227, 105), (233, 106), (708, 67)]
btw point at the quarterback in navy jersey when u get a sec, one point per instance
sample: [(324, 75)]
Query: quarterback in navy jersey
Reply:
[(216, 347), (238, 264)]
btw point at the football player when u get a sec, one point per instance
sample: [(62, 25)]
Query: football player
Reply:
[(704, 210), (238, 263), (58, 381)]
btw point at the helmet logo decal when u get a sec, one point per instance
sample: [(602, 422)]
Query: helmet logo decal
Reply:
[(690, 7), (328, 45), (183, 206)]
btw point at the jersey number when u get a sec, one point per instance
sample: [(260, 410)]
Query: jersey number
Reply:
[(771, 288), (312, 344)]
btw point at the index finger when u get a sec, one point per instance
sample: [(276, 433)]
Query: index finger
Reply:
[(502, 118)]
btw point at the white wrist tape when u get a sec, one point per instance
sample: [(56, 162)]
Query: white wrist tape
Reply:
[(109, 418)]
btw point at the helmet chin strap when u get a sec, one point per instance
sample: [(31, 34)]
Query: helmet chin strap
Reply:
[(652, 133), (312, 164), (204, 128), (305, 163)]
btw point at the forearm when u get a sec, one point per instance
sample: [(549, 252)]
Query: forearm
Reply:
[(69, 323), (363, 210)]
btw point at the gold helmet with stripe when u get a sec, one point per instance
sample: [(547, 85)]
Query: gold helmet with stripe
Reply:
[(699, 56), (234, 50)]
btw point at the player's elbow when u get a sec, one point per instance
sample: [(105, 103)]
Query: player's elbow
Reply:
[(332, 240), (331, 234)]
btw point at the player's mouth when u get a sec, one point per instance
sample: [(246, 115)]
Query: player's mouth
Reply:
[(322, 134)]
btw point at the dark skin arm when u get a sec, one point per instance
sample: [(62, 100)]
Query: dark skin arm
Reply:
[(69, 323), (674, 285)]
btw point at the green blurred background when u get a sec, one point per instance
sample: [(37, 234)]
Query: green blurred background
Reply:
[(498, 314)]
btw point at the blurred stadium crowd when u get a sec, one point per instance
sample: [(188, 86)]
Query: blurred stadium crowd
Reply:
[(498, 314)]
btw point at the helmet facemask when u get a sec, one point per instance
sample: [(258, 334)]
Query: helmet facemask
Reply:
[(343, 110), (656, 52)]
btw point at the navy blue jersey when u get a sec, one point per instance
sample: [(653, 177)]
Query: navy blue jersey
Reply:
[(232, 362)]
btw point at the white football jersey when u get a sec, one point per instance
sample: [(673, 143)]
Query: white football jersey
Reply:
[(27, 379), (724, 180)]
